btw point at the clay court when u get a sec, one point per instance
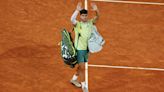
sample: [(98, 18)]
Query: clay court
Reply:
[(30, 59)]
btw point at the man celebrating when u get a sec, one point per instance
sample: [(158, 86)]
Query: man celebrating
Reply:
[(83, 29)]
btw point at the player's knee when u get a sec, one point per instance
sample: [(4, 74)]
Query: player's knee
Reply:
[(82, 68)]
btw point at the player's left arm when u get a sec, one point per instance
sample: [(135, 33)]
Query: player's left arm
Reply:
[(94, 8)]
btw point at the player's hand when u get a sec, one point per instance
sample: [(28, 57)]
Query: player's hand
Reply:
[(94, 7), (79, 5)]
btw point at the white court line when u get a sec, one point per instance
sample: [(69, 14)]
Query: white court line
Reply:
[(126, 67), (130, 2), (86, 64)]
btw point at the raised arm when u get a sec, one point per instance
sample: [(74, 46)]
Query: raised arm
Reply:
[(94, 8), (74, 15)]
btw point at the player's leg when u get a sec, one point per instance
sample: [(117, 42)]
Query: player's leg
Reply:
[(82, 70), (74, 79)]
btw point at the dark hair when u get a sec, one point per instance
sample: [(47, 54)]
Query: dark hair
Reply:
[(83, 11)]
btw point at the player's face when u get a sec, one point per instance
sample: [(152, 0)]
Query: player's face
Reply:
[(84, 17)]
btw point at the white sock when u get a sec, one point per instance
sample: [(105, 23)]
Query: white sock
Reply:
[(83, 84), (74, 77)]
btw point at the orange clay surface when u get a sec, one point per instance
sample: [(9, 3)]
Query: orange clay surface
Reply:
[(30, 58)]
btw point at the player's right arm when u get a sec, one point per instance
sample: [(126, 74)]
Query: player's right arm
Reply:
[(74, 15)]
